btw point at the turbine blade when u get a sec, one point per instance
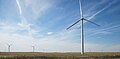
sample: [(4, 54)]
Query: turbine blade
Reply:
[(91, 22), (72, 24), (81, 11)]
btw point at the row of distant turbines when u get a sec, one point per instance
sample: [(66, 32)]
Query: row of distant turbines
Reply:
[(33, 48), (9, 48)]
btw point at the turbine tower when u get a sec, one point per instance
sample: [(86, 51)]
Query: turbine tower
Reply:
[(82, 26), (9, 48), (33, 48)]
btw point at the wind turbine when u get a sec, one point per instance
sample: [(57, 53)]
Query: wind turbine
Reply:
[(9, 47), (33, 48), (82, 19)]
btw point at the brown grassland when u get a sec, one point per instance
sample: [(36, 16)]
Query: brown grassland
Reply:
[(59, 55)]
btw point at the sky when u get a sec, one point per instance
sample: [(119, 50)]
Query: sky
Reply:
[(43, 23)]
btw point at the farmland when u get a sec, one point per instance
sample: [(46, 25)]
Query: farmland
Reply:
[(56, 55)]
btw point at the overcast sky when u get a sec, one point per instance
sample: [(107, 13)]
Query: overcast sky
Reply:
[(42, 23)]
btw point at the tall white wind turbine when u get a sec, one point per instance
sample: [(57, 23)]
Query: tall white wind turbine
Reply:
[(82, 26)]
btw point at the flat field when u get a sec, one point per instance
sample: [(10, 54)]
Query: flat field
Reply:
[(59, 55)]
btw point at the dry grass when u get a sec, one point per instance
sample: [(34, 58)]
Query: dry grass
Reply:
[(55, 55)]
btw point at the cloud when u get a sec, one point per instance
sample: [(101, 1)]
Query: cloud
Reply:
[(49, 33), (6, 27), (22, 43), (24, 24), (38, 7), (63, 42), (114, 8), (107, 30), (114, 48), (101, 10), (18, 4)]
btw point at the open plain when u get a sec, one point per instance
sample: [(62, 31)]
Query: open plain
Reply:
[(59, 55)]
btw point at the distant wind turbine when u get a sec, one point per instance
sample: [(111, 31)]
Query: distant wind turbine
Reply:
[(9, 47), (82, 19), (33, 48)]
